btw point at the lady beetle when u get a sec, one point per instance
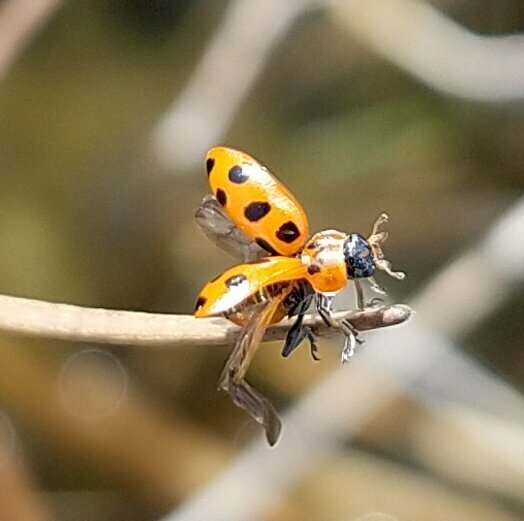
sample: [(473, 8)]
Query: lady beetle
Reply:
[(252, 213)]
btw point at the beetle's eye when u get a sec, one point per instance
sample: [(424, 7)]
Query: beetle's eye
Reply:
[(358, 257)]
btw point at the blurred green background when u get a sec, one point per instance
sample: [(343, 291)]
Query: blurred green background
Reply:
[(89, 217)]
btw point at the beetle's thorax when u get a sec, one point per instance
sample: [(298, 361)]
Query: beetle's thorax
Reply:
[(324, 257)]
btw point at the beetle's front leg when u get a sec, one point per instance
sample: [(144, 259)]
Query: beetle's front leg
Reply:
[(361, 303), (325, 310), (376, 239)]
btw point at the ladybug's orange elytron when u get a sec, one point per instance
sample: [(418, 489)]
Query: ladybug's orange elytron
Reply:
[(256, 202), (250, 212)]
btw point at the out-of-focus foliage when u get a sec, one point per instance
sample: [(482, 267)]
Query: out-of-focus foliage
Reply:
[(87, 217)]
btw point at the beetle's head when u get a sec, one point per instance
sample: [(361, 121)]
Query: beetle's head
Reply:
[(358, 256)]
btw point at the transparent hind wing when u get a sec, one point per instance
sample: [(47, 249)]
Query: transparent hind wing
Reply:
[(232, 379), (220, 230)]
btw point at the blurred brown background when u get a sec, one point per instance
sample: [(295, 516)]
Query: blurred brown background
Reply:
[(95, 212)]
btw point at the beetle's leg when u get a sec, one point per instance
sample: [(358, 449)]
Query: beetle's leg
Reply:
[(296, 334), (380, 220), (350, 342), (375, 286), (294, 337), (375, 241), (325, 310), (313, 346), (385, 265), (298, 303), (361, 303)]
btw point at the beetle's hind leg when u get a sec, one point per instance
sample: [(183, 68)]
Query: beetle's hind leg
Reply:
[(297, 303), (296, 334), (325, 310)]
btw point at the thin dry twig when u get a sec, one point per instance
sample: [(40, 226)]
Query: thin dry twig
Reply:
[(107, 326)]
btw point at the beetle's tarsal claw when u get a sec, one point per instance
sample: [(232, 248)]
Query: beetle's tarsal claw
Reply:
[(376, 287), (375, 241), (348, 350), (385, 265), (381, 219)]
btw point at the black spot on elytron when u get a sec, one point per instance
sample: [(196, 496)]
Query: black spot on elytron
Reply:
[(237, 175), (235, 280), (313, 268), (200, 302), (266, 246), (255, 211), (288, 232), (210, 163), (221, 196)]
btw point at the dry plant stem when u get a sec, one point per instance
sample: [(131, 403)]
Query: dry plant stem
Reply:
[(82, 324)]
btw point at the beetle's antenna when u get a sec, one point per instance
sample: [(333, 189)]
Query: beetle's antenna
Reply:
[(375, 241)]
